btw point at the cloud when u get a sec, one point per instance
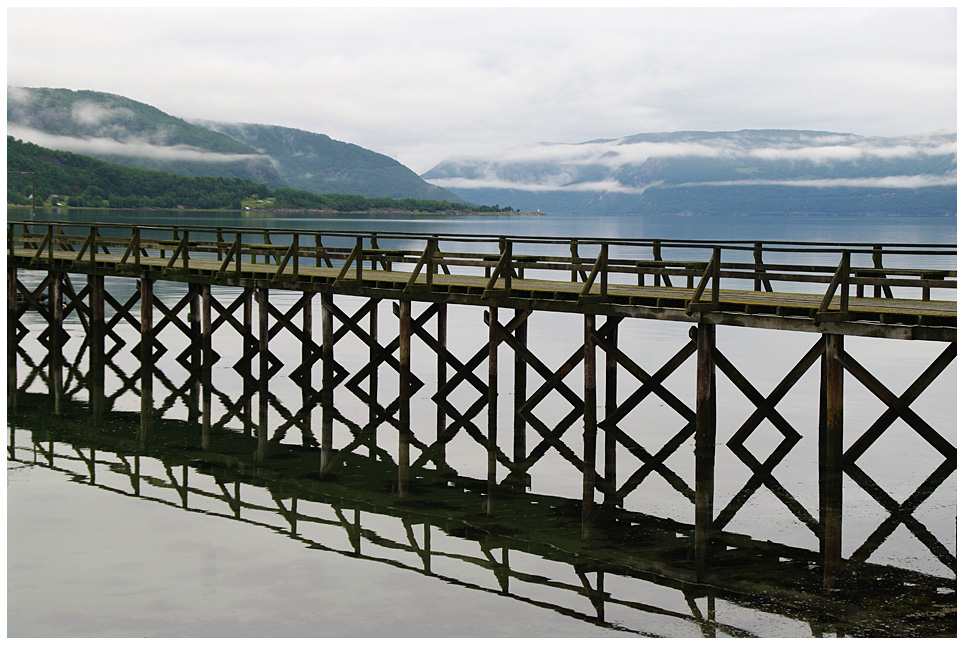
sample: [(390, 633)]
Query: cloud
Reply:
[(615, 154), (604, 186), (126, 148), (93, 114), (896, 182)]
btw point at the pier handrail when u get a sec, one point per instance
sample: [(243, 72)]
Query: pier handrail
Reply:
[(592, 267)]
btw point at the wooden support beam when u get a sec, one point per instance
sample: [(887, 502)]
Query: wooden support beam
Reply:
[(405, 375), (374, 374), (830, 451), (705, 439), (249, 343), (207, 361), (261, 295), (13, 320), (610, 403), (56, 339), (589, 420), (308, 353), (442, 375), (519, 394), (95, 372), (147, 359), (492, 400), (328, 382)]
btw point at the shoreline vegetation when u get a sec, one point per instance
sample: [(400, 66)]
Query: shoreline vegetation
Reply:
[(43, 178), (389, 211)]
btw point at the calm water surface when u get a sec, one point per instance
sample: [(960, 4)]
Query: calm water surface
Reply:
[(106, 538)]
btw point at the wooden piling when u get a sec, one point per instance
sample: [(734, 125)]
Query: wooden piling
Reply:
[(519, 394), (589, 420), (328, 381), (374, 374), (56, 340), (610, 403), (492, 420), (13, 319), (261, 295), (705, 439), (308, 344), (247, 316), (95, 372), (442, 375), (207, 359), (147, 358), (830, 463), (405, 394)]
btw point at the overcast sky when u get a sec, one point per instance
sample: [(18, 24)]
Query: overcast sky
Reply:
[(424, 85)]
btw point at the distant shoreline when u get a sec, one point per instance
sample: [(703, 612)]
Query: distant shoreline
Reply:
[(388, 211)]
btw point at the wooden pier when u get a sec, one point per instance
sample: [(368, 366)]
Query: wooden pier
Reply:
[(899, 292)]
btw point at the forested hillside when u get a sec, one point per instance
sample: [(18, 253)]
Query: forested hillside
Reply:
[(116, 129), (319, 164), (78, 180)]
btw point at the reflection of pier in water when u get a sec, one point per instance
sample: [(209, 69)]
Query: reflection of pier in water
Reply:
[(632, 548), (223, 317)]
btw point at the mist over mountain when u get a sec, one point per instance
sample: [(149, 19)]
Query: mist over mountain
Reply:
[(747, 171), (317, 163), (119, 130)]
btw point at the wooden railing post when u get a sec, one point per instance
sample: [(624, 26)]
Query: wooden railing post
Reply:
[(715, 286), (845, 281), (604, 268), (508, 268), (432, 245)]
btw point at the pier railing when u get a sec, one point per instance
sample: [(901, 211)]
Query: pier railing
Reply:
[(594, 264)]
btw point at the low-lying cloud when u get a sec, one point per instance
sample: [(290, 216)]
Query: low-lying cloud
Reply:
[(125, 148), (613, 186), (816, 160), (820, 149)]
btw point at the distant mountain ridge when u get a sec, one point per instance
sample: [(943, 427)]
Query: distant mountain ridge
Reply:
[(746, 171), (317, 163), (119, 130)]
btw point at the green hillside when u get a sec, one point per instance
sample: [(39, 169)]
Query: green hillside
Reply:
[(119, 130), (81, 181)]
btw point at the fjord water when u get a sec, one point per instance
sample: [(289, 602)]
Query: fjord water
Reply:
[(91, 553)]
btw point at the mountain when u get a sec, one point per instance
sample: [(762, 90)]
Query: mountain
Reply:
[(41, 176), (119, 130), (747, 171), (320, 164)]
